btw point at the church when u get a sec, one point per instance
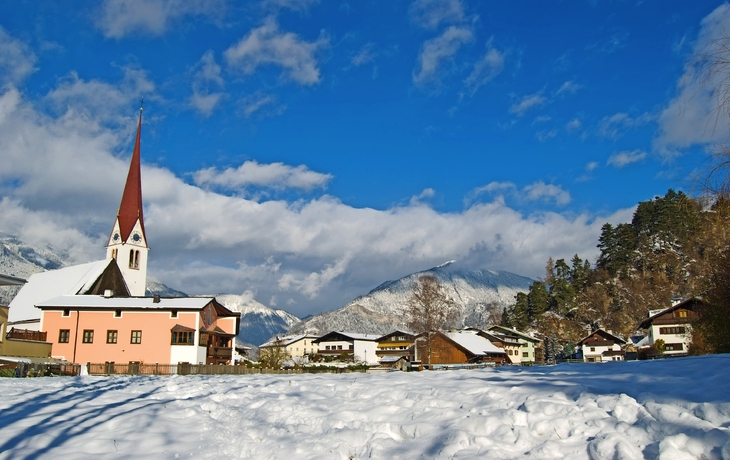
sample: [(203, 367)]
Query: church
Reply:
[(98, 312)]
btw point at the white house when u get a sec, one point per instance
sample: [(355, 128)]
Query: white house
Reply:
[(673, 326), (296, 346), (530, 350), (361, 347), (601, 346)]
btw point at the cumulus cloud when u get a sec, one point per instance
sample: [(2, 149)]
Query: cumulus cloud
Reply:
[(119, 18), (311, 254), (17, 61), (690, 118), (527, 103), (616, 125), (625, 158), (253, 173), (206, 78), (435, 51), (485, 69), (430, 14), (267, 45), (573, 125), (540, 191)]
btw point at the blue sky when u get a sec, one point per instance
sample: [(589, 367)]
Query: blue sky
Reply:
[(304, 151)]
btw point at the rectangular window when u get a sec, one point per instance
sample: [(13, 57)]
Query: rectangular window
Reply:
[(66, 312), (88, 336), (63, 335), (183, 338), (525, 354), (111, 336), (682, 313), (136, 337), (117, 313), (339, 347), (327, 347), (173, 314)]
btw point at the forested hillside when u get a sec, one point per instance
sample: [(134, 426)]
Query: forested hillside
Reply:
[(674, 247)]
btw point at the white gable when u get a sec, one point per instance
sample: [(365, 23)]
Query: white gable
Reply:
[(72, 280)]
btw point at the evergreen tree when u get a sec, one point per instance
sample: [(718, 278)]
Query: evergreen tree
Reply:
[(538, 300)]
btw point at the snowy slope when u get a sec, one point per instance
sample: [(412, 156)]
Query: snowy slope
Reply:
[(258, 322), (381, 310), (672, 409)]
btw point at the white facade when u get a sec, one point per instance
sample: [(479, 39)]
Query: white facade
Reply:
[(676, 337), (131, 257)]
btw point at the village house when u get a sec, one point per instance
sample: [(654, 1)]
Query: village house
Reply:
[(673, 326), (509, 343), (99, 329), (457, 348), (297, 346), (531, 349), (395, 344), (357, 347), (601, 346)]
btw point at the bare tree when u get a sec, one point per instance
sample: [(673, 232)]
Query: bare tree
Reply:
[(430, 310), (274, 355)]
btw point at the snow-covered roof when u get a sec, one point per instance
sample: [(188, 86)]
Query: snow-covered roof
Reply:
[(476, 344), (76, 279), (507, 330), (391, 359), (349, 335), (97, 301), (287, 340)]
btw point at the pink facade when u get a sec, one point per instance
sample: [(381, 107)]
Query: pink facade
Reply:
[(111, 331)]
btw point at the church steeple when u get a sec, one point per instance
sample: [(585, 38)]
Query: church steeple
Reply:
[(128, 241), (130, 210)]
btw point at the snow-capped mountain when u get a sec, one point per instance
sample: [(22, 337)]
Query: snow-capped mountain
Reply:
[(382, 309), (258, 322), (21, 260)]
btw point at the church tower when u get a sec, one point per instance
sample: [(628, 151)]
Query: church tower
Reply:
[(128, 242)]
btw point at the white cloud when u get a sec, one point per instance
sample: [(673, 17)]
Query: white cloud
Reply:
[(591, 166), (260, 104), (252, 173), (614, 126), (207, 75), (621, 159), (364, 56), (573, 125), (527, 103), (426, 194), (430, 14), (691, 118), (99, 99), (546, 134), (485, 69), (569, 87), (547, 192), (119, 18), (435, 51), (267, 45), (17, 61)]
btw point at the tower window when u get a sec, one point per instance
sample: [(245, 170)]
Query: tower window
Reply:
[(114, 254), (133, 259)]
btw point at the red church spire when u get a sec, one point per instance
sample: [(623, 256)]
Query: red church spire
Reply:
[(131, 207)]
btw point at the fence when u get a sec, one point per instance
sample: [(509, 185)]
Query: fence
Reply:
[(22, 369), (201, 369)]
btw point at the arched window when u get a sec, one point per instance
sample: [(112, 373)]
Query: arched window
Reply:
[(114, 254)]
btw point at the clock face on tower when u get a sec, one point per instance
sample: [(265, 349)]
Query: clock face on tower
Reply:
[(136, 237), (116, 237)]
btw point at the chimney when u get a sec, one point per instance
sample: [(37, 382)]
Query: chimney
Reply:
[(108, 293), (156, 298)]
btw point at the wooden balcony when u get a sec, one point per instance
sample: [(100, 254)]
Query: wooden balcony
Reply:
[(220, 352), (25, 334)]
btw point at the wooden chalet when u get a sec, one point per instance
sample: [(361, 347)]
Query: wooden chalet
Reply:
[(458, 348)]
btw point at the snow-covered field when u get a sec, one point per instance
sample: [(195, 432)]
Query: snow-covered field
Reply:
[(672, 409)]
